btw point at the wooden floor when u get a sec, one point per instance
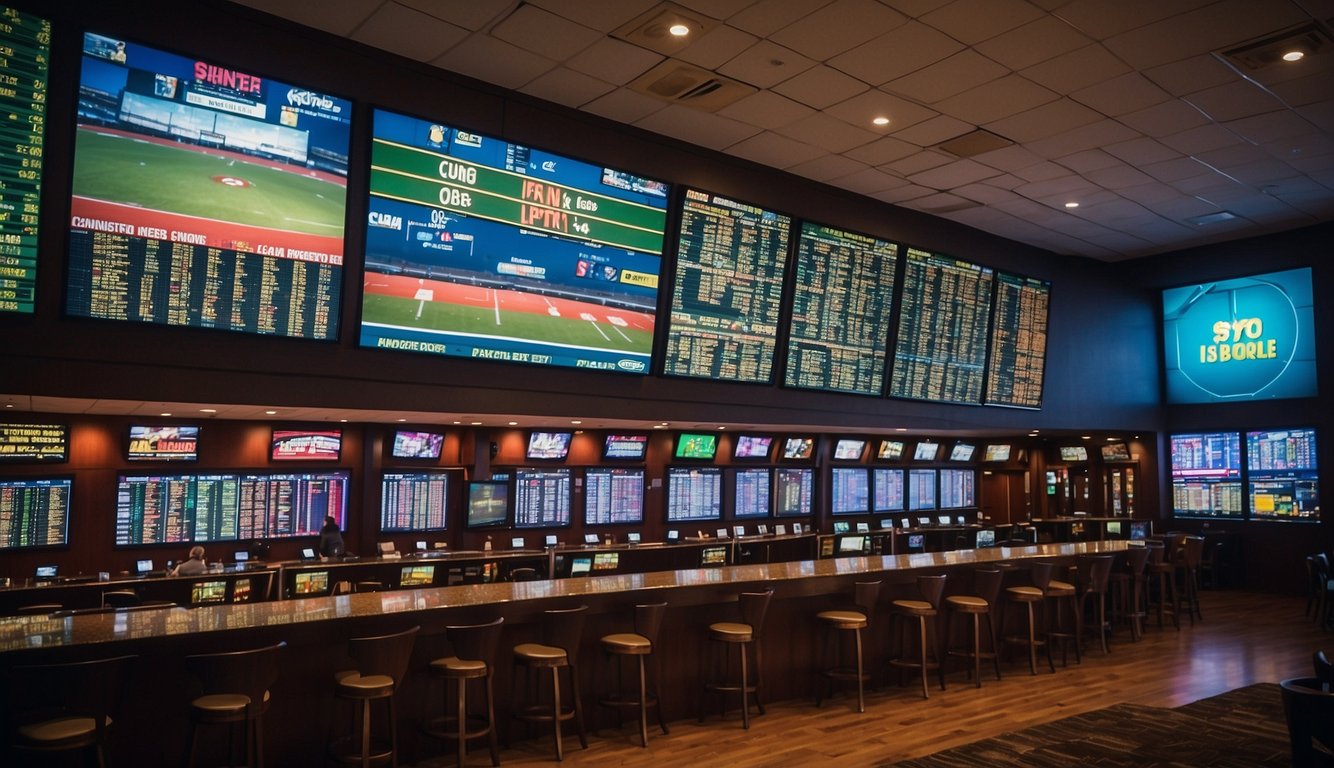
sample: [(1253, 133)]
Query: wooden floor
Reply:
[(1245, 638)]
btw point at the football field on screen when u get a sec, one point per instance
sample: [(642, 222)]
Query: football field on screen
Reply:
[(473, 310), (190, 180)]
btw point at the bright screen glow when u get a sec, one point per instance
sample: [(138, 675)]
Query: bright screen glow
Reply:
[(303, 445), (997, 452), (630, 447), (417, 445), (696, 446), (163, 443), (849, 450), (752, 447), (548, 445)]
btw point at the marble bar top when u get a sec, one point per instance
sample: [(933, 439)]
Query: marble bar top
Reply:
[(20, 633)]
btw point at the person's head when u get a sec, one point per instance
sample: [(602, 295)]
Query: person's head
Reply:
[(196, 552), (330, 523)]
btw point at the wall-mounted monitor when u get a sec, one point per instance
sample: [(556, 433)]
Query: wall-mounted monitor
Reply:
[(1017, 364), (483, 248), (414, 501), (839, 328), (727, 294), (798, 447), (696, 445), (886, 490), (416, 576), (1206, 475), (958, 488), (794, 491), (694, 493), (26, 41), (750, 492), (941, 349), (853, 545), (926, 451), (580, 566), (613, 495), (1249, 338), (921, 489), (625, 447), (488, 504), (416, 445), (996, 452), (1073, 453), (1282, 478), (849, 449), (1117, 451), (163, 443), (850, 491), (962, 452), (541, 498), (205, 195), (306, 445), (890, 450), (34, 443), (34, 512), (548, 446), (752, 447)]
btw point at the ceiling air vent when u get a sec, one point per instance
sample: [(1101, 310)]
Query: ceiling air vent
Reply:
[(973, 143), (1308, 40), (690, 86)]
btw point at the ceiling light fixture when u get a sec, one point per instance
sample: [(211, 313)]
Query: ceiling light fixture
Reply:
[(514, 423), (270, 413), (1294, 55), (1072, 204), (679, 30), (576, 421), (880, 120), (164, 414), (208, 410)]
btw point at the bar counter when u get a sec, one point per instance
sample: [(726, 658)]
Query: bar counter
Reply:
[(316, 630)]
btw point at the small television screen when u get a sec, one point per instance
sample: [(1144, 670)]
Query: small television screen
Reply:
[(849, 490), (997, 452), (848, 449), (633, 537), (606, 561), (542, 497), (713, 556), (692, 445), (548, 445), (34, 442), (1114, 528), (916, 542), (416, 576), (241, 591), (46, 572), (311, 583), (516, 542), (793, 491), (890, 450), (417, 445), (752, 447), (180, 443), (852, 544), (962, 452), (1116, 452), (241, 556), (926, 451), (1074, 453), (628, 447), (922, 522), (944, 519), (488, 504), (905, 523), (798, 447), (307, 553), (751, 489), (842, 526), (306, 445), (1139, 530), (580, 565), (986, 538), (143, 566), (203, 592), (34, 512)]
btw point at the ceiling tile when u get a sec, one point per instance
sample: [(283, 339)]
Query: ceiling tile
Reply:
[(624, 106), (827, 132), (766, 110), (1009, 158), (473, 15), (934, 131), (939, 203), (773, 150), (860, 109), (997, 99), (881, 151), (1260, 173), (958, 73), (1035, 42), (409, 33), (702, 128), (899, 194), (614, 61), (1151, 193), (717, 9), (1077, 69), (1303, 152), (1201, 139), (565, 86), (1232, 101), (917, 163), (1304, 90), (1047, 120), (821, 86), (716, 47), (340, 19), (1164, 119), (983, 193), (1127, 93), (954, 174), (1272, 126), (870, 180), (1088, 160), (838, 27), (765, 64), (1118, 177), (915, 8), (1042, 171), (1062, 186), (495, 61), (602, 15), (1139, 152), (1100, 18), (1098, 134), (544, 33), (1321, 115), (827, 167), (894, 54), (1216, 25), (768, 16), (1175, 170), (1008, 181), (1226, 158), (972, 21), (1191, 74)]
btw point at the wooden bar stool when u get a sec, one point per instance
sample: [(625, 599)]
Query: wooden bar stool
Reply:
[(1162, 570), (852, 619), (1027, 597), (381, 664), (64, 707), (1188, 571), (987, 586), (562, 631), (639, 645), (474, 658), (925, 612), (1067, 624), (1128, 590), (1094, 572), (235, 690), (747, 633)]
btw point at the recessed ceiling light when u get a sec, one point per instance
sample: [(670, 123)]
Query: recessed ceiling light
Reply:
[(1072, 204), (900, 429), (1294, 55), (679, 30), (476, 423), (659, 426), (880, 120), (208, 410), (721, 428), (576, 421), (9, 405), (458, 422), (270, 413), (164, 414), (402, 420), (342, 421), (1086, 437)]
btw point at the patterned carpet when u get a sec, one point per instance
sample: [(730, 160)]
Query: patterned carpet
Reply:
[(1242, 729)]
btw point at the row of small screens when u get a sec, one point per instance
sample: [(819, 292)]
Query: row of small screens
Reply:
[(173, 154), (50, 443), (1281, 482)]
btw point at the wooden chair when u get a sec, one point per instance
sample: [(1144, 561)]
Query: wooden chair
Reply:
[(925, 612), (474, 659), (381, 664), (235, 689), (64, 707), (1309, 712), (562, 632), (852, 619), (639, 645), (983, 604), (746, 633)]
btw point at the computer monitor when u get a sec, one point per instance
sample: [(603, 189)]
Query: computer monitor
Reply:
[(986, 538), (580, 566), (905, 523), (713, 557), (916, 542), (923, 521), (307, 554), (516, 542), (385, 548), (863, 527), (311, 583), (421, 545), (943, 519), (606, 561), (241, 556), (142, 567), (241, 591), (849, 544), (632, 537), (1114, 528), (590, 538), (46, 572), (841, 526), (205, 592), (550, 540), (416, 576), (1139, 530), (673, 536)]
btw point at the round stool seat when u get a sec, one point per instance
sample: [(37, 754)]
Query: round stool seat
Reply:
[(731, 632), (627, 643), (1025, 594), (453, 666), (1060, 589), (538, 655), (52, 733), (914, 607), (968, 604), (844, 619), (221, 704), (358, 686)]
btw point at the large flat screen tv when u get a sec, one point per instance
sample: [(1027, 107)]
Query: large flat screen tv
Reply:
[(548, 446), (34, 512), (416, 445), (626, 447), (34, 442), (163, 443), (483, 248), (306, 445), (205, 195), (696, 445), (414, 501), (488, 504), (26, 41)]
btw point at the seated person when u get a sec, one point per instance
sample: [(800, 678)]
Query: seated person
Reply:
[(195, 566), (331, 539)]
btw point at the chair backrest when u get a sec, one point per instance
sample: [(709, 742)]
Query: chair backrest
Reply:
[(754, 606), (476, 642), (1137, 558), (564, 628), (987, 584), (1157, 552), (121, 598), (931, 588), (1323, 671), (648, 621), (864, 596), (1040, 574), (250, 672), (91, 689), (1094, 571), (523, 574), (1193, 551), (383, 654), (1309, 711)]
